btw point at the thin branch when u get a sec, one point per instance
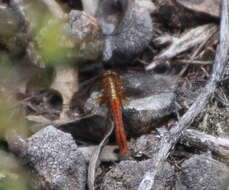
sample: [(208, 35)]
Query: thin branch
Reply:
[(95, 158), (202, 141), (169, 139), (195, 62), (187, 41)]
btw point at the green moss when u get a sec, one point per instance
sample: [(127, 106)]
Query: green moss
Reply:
[(51, 43)]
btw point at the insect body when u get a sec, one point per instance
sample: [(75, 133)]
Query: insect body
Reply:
[(113, 96)]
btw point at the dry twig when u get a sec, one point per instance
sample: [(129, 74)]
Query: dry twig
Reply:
[(187, 41), (202, 141), (169, 139), (195, 62)]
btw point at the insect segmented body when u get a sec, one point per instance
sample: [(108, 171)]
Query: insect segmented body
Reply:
[(113, 96)]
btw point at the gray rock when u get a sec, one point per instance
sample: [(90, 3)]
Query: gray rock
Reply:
[(145, 146), (84, 36), (153, 98), (128, 174), (202, 172), (150, 97), (55, 160), (128, 29)]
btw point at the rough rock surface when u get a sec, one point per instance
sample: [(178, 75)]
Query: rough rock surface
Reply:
[(202, 172), (127, 32), (145, 146), (55, 161), (128, 174), (150, 97), (84, 29), (153, 97)]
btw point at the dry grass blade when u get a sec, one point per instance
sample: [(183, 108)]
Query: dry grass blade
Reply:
[(107, 154), (195, 62), (95, 159), (187, 41)]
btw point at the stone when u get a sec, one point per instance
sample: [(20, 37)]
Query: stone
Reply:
[(127, 28), (153, 97), (150, 98), (202, 172), (54, 159), (83, 34), (144, 146), (128, 175)]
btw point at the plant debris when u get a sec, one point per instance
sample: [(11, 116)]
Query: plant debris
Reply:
[(172, 61)]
